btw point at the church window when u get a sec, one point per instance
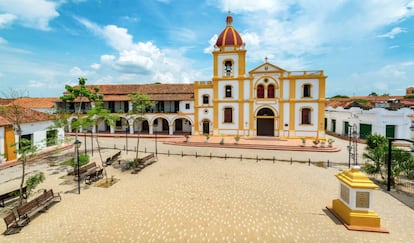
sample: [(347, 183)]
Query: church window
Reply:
[(228, 68), (260, 91), (271, 91), (205, 99), (306, 116), (228, 91), (228, 115), (307, 90), (187, 106)]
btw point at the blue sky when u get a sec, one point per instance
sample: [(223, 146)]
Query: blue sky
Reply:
[(363, 46)]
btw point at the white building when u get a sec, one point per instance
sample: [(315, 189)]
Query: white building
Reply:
[(389, 123)]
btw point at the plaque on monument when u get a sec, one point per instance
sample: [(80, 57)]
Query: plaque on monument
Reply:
[(362, 200), (345, 193)]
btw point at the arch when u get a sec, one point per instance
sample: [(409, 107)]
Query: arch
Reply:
[(265, 122), (182, 125), (102, 126), (160, 125), (228, 67)]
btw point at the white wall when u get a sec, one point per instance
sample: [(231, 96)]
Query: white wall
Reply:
[(377, 117)]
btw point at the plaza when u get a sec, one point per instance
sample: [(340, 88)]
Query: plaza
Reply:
[(188, 199)]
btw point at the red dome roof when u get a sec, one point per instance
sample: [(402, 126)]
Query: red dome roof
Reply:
[(229, 36)]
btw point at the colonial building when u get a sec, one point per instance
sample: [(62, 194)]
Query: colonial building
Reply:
[(267, 101)]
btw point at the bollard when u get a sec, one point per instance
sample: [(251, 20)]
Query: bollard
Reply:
[(182, 155), (309, 162), (124, 148), (225, 156), (114, 146), (257, 158), (328, 163), (135, 149), (241, 157), (273, 159), (210, 155), (145, 149), (196, 155), (168, 153), (290, 160)]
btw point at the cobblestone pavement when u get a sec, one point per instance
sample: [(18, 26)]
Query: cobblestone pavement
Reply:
[(188, 199)]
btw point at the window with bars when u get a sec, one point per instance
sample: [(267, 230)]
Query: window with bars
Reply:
[(307, 90)]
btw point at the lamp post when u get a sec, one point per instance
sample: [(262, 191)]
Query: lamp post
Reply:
[(77, 146), (126, 139), (350, 145), (355, 138), (156, 149)]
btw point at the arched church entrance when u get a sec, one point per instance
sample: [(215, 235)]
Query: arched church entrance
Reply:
[(265, 120)]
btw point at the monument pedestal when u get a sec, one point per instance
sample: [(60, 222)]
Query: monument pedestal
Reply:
[(354, 206)]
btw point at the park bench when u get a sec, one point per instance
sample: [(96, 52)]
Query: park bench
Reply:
[(93, 176), (13, 225), (112, 158), (144, 162), (84, 169), (10, 195), (26, 211)]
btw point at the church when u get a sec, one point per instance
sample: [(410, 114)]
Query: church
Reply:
[(266, 101)]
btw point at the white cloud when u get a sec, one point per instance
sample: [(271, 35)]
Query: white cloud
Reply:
[(141, 59), (3, 41), (95, 66), (391, 34), (6, 19), (252, 6), (77, 72), (30, 13)]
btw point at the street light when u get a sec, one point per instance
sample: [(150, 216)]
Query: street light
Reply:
[(355, 138), (350, 145), (77, 146)]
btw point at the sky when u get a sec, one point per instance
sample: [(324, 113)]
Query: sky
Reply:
[(362, 46)]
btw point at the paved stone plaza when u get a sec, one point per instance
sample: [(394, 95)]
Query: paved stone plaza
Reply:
[(184, 199)]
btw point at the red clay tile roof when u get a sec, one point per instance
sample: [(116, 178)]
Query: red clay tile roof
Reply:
[(4, 121), (345, 102), (45, 103), (156, 92), (25, 115)]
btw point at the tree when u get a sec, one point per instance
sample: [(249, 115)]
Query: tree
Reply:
[(16, 115), (81, 93), (26, 150), (377, 152), (140, 103), (373, 94), (94, 114), (339, 96)]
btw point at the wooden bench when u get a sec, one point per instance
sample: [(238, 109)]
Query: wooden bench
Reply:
[(112, 158), (26, 211), (13, 225), (10, 195), (94, 176), (84, 169), (144, 162)]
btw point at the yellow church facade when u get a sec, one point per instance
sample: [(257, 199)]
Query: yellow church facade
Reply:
[(268, 101)]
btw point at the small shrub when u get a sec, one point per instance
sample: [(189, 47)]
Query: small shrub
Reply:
[(222, 141)]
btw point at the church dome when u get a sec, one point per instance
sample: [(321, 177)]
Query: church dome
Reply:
[(229, 36)]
